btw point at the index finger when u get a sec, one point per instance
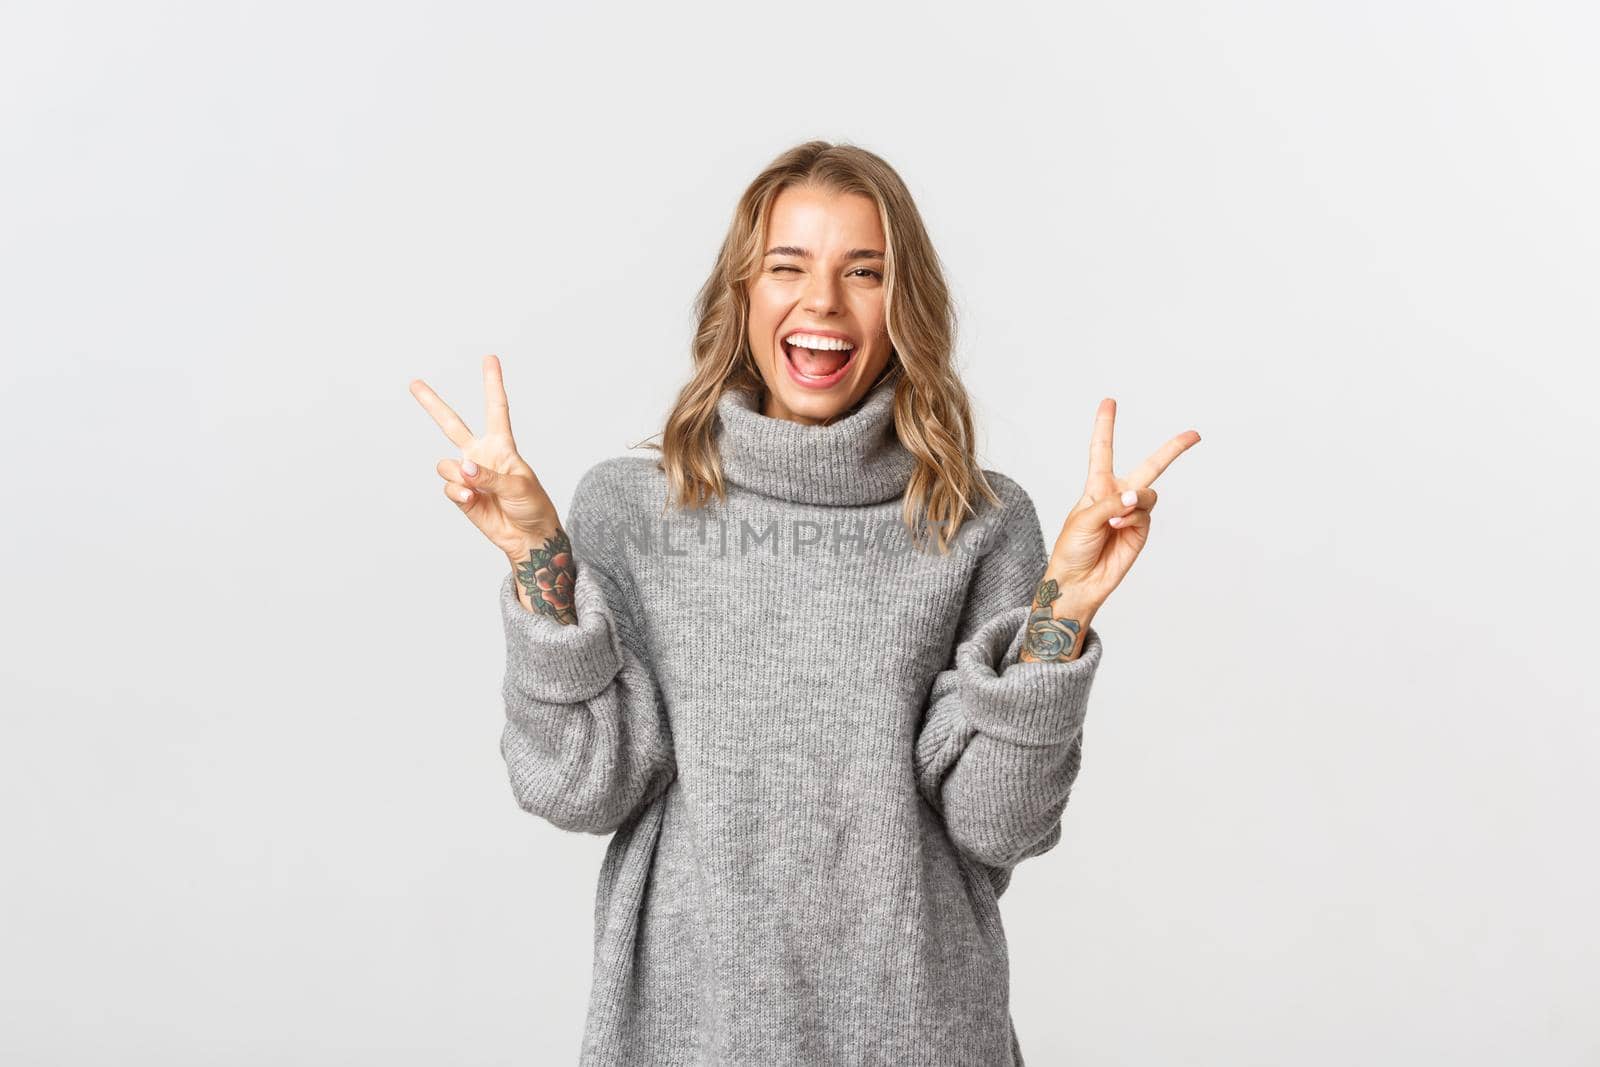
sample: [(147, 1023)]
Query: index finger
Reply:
[(448, 420), (1162, 458)]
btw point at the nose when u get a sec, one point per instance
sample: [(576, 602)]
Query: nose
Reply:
[(822, 294)]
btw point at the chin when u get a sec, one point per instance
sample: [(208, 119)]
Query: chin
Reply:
[(818, 404)]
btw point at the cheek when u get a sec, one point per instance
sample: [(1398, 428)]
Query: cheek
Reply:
[(869, 315), (880, 339), (765, 314)]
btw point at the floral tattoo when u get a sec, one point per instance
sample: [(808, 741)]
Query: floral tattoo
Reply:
[(548, 576), (1049, 638)]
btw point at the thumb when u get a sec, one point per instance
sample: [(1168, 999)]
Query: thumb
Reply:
[(1118, 503)]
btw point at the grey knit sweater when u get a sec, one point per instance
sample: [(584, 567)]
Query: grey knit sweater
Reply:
[(814, 745)]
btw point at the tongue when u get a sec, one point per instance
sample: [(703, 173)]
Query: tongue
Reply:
[(818, 363)]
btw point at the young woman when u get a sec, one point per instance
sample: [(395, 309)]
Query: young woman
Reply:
[(811, 667)]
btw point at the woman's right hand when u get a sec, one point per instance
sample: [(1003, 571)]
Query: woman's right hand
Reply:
[(503, 498)]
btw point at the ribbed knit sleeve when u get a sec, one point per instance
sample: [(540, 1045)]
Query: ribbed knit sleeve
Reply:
[(1002, 740), (586, 740)]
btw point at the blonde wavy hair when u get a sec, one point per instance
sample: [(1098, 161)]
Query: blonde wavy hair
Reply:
[(932, 412)]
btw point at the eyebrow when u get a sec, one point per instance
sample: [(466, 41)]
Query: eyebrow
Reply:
[(795, 250)]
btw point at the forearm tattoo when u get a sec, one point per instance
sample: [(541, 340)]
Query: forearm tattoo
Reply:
[(1049, 638), (548, 576)]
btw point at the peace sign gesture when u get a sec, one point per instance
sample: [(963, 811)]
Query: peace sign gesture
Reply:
[(1101, 537), (491, 483)]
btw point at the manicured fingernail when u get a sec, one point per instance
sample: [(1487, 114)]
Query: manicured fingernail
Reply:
[(1129, 498), (470, 468), (464, 496), (1116, 520)]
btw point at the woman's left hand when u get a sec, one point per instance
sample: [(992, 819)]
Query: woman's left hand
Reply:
[(1101, 537)]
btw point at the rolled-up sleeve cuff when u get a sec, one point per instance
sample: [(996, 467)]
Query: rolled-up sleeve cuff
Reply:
[(558, 662), (1027, 703)]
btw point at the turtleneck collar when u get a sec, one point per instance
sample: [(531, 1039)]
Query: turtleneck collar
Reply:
[(856, 459)]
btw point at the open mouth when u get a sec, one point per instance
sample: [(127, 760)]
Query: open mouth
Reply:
[(818, 359)]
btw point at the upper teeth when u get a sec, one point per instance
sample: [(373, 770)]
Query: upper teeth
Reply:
[(811, 340)]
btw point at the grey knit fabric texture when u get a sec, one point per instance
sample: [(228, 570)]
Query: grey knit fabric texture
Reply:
[(813, 745)]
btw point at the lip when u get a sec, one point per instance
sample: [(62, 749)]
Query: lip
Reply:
[(818, 383)]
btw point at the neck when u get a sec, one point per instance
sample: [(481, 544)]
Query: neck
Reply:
[(856, 458), (773, 408)]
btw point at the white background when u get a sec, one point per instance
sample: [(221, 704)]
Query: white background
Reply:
[(1338, 796)]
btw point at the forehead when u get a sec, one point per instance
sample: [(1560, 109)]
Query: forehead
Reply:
[(824, 221)]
